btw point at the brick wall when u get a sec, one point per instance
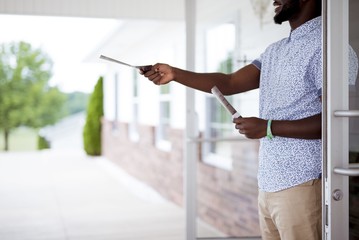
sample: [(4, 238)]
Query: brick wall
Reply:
[(227, 200)]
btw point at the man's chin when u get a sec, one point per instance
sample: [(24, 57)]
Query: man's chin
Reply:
[(278, 20)]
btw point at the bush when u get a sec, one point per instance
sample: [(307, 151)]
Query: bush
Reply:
[(92, 128), (42, 143)]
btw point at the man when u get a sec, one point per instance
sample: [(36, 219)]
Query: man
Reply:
[(289, 75)]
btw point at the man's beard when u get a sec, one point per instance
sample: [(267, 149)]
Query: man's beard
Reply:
[(288, 10)]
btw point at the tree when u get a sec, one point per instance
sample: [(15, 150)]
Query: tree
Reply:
[(26, 99), (76, 102), (92, 128)]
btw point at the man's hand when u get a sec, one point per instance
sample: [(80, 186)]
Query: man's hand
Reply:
[(253, 128), (306, 128), (160, 74)]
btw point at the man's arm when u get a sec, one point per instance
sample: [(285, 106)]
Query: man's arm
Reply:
[(245, 79), (306, 128)]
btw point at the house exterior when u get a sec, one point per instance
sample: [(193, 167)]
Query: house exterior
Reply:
[(136, 139), (144, 124)]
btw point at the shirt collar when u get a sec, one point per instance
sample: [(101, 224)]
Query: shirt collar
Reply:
[(306, 28)]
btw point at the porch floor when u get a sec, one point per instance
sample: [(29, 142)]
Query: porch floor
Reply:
[(66, 195)]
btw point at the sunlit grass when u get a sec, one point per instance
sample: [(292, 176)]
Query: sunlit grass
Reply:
[(21, 139)]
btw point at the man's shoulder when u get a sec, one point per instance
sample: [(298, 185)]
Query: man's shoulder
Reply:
[(276, 45)]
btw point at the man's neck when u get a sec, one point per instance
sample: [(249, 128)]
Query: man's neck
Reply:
[(296, 22), (306, 13)]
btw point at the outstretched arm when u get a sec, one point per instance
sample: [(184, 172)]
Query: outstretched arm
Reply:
[(245, 79)]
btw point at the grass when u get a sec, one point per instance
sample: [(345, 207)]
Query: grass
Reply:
[(21, 139)]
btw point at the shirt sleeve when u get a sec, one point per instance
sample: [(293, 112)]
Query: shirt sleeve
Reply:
[(353, 66), (257, 62)]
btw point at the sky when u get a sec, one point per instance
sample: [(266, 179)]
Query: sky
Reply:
[(68, 41)]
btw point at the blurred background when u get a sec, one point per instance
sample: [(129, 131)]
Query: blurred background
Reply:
[(92, 150), (58, 38)]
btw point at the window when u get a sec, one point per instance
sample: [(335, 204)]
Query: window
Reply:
[(219, 49), (163, 141), (133, 127), (115, 121)]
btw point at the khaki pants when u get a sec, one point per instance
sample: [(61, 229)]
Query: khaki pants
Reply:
[(292, 214)]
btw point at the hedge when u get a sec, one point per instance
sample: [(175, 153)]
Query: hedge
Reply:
[(92, 128)]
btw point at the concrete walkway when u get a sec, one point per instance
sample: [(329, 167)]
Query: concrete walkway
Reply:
[(65, 195)]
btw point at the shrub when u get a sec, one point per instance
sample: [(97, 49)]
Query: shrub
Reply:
[(42, 143), (92, 128)]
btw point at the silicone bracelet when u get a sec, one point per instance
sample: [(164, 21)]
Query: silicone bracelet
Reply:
[(269, 131)]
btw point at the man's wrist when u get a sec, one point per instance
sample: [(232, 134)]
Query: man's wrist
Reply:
[(175, 73)]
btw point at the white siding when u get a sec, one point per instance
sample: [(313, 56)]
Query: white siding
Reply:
[(121, 9)]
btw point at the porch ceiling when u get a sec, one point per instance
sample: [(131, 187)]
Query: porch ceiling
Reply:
[(118, 9)]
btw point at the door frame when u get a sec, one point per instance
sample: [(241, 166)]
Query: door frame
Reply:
[(336, 113)]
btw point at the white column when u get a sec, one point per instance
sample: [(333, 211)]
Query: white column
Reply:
[(191, 127)]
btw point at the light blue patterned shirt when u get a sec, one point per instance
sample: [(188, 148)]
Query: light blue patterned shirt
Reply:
[(290, 88)]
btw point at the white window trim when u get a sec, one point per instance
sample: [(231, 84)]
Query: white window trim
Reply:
[(162, 144), (133, 132), (218, 161), (133, 127)]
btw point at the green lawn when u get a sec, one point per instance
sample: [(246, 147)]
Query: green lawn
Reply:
[(21, 139)]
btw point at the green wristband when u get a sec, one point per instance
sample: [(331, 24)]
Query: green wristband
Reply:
[(269, 131)]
